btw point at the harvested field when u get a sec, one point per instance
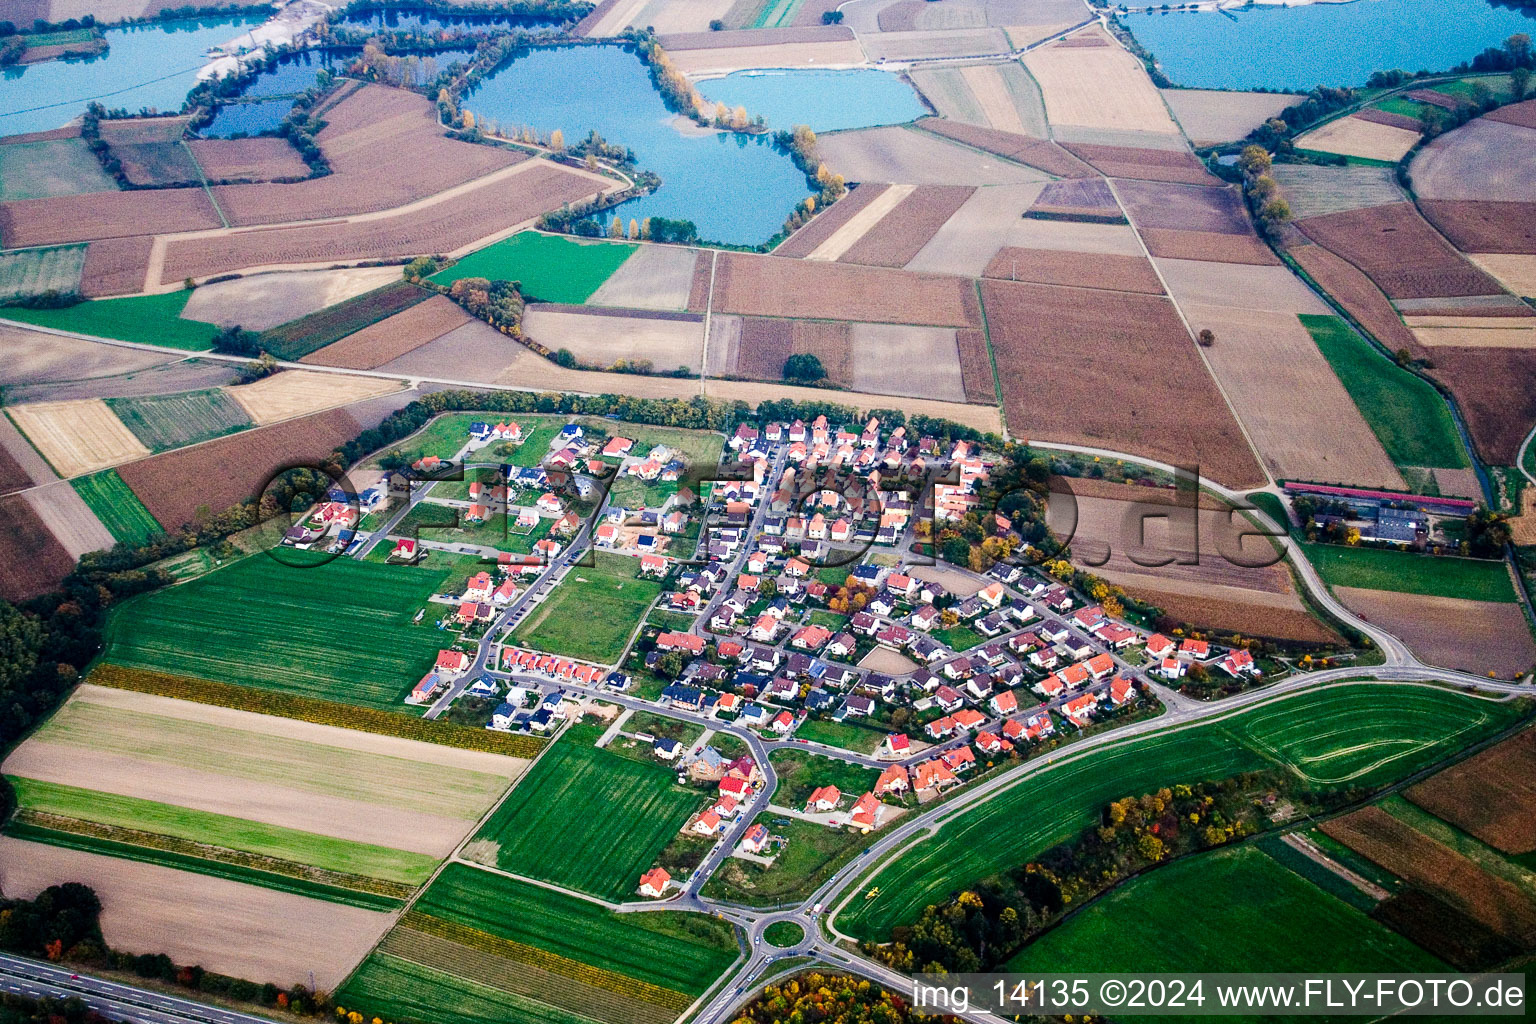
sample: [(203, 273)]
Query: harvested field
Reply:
[(913, 15), (1209, 116), (1251, 613), (770, 286), (46, 168), (1274, 289), (258, 933), (1303, 422), (822, 227), (1356, 293), (263, 301), (1097, 87), (77, 437), (1481, 637), (1485, 227), (1386, 117), (231, 469), (167, 378), (900, 235), (1084, 270), (393, 337), (917, 362), (1355, 136), (897, 154), (753, 38), (677, 16), (1087, 199), (366, 138), (1069, 359), (1153, 204), (32, 561), (295, 339), (976, 377), (1514, 271), (1478, 332), (1523, 114), (999, 96), (1148, 164), (32, 357), (13, 475), (447, 226), (1400, 252), (758, 348), (524, 369), (1499, 307), (143, 130), (1123, 137), (1314, 191), (115, 266), (990, 220), (291, 393), (601, 339), (1493, 388), (982, 417), (655, 277), (69, 518), (104, 215), (808, 46), (1482, 160), (171, 421), (236, 160), (862, 221), (1491, 795), (1488, 899), (1208, 247), (1038, 153), (26, 272), (475, 351), (923, 44)]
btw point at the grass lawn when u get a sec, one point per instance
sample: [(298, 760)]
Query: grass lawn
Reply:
[(171, 421), (222, 830), (118, 508), (831, 620), (801, 771), (784, 934), (1229, 910), (813, 852), (1408, 572), (612, 815), (313, 332), (550, 268), (845, 734), (341, 630), (1352, 735), (592, 613), (1406, 413), (959, 638), (147, 319)]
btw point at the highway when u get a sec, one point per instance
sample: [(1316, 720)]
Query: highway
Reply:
[(39, 979)]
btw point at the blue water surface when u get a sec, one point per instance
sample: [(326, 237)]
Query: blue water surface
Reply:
[(293, 74), (247, 118), (826, 100), (736, 189), (1337, 44), (145, 66), (398, 19)]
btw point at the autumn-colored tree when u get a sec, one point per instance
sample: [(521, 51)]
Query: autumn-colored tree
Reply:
[(634, 229), (557, 141)]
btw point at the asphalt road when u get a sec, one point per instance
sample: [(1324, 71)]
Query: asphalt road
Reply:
[(39, 979)]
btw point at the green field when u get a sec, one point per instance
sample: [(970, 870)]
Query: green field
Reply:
[(1411, 573), (400, 990), (550, 268), (1228, 910), (1407, 415), (118, 508), (222, 830), (1356, 735), (589, 820), (171, 421), (54, 167), (592, 613), (147, 319), (36, 271), (340, 631), (298, 338)]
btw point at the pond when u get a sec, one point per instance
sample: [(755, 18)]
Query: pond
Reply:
[(247, 118), (826, 100), (736, 189), (293, 74), (406, 19), (1337, 44), (145, 66)]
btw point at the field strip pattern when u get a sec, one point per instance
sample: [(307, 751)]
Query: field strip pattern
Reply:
[(860, 224)]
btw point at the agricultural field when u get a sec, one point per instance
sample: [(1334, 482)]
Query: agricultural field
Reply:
[(146, 319), (899, 154), (1400, 252), (1483, 161), (601, 338), (49, 168), (902, 233), (96, 215), (292, 393), (78, 436), (658, 277), (247, 160), (304, 642), (613, 816), (550, 268), (1410, 573), (115, 266), (771, 286), (1083, 270), (998, 96), (170, 421), (32, 561), (1032, 152), (1098, 87), (1477, 226), (1366, 742), (1360, 138), (827, 222), (1314, 191), (1490, 796), (1209, 116), (26, 272), (592, 613), (69, 518), (1483, 637), (263, 301), (331, 323), (393, 337)]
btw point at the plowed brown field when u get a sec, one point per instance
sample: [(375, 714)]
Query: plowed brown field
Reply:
[(1491, 795), (115, 266), (1148, 164), (32, 561), (1082, 269), (1208, 247), (825, 224), (393, 336), (1398, 250), (248, 159), (773, 286), (1038, 153), (1475, 226), (1356, 293), (81, 218), (901, 234)]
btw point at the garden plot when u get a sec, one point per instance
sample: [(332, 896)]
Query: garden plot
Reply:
[(1083, 270), (69, 518), (263, 301), (1274, 289), (255, 933), (1209, 116), (49, 168), (1357, 137), (25, 272), (1482, 160), (1155, 204), (604, 337), (1514, 271), (32, 561), (771, 286), (920, 362), (902, 233), (1474, 226), (1313, 191), (394, 336), (897, 154), (936, 43), (292, 393), (1081, 354), (1000, 96), (1482, 637), (806, 240), (655, 277), (77, 437), (1098, 87), (1400, 252), (1303, 422), (246, 160)]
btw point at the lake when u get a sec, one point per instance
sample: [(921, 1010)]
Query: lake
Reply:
[(826, 100), (145, 66), (407, 19), (1296, 48), (735, 188), (247, 118)]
